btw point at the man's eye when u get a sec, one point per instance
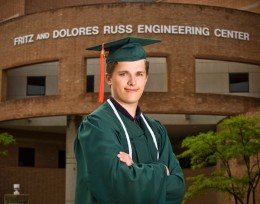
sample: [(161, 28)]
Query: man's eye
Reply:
[(122, 74)]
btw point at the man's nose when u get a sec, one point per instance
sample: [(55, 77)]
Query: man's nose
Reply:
[(131, 80)]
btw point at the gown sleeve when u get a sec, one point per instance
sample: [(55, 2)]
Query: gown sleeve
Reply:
[(175, 183), (101, 176)]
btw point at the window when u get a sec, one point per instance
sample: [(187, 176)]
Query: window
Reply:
[(238, 82), (32, 80), (90, 83), (62, 159), (26, 156), (35, 85), (229, 78)]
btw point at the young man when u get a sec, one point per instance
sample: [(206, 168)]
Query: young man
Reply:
[(123, 156)]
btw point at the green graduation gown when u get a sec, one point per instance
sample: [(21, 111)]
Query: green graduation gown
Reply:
[(103, 179)]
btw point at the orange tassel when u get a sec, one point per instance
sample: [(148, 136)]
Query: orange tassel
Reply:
[(101, 76)]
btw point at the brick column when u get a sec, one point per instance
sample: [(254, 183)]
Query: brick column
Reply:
[(72, 125)]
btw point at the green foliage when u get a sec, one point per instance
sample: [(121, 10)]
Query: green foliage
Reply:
[(5, 140), (237, 139)]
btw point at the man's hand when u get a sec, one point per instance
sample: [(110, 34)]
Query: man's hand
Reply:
[(167, 171), (125, 158)]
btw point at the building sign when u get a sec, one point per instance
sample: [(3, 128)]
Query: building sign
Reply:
[(129, 29)]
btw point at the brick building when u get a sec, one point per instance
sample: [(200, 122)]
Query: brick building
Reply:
[(205, 69)]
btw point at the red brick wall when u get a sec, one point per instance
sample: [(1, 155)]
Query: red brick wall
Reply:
[(180, 50), (16, 8), (46, 147), (33, 6), (44, 185), (249, 5), (41, 181), (11, 8)]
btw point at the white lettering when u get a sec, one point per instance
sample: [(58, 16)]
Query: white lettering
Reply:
[(140, 29), (23, 39), (201, 31), (217, 32), (181, 30), (224, 33), (43, 36), (106, 29), (189, 30), (121, 29), (157, 29), (55, 34), (173, 29), (62, 33), (117, 29), (129, 29), (74, 32), (95, 31), (246, 35)]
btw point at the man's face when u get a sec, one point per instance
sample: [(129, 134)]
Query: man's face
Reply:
[(128, 82)]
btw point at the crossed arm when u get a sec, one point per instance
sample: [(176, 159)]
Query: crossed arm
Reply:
[(125, 158)]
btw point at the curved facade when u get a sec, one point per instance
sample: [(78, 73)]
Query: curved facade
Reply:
[(210, 55), (23, 45)]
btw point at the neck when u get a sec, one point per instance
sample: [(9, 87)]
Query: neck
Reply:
[(131, 108)]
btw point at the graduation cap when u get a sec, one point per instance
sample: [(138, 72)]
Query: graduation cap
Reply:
[(125, 49)]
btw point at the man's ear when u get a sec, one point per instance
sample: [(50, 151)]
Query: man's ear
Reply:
[(146, 79), (108, 79)]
